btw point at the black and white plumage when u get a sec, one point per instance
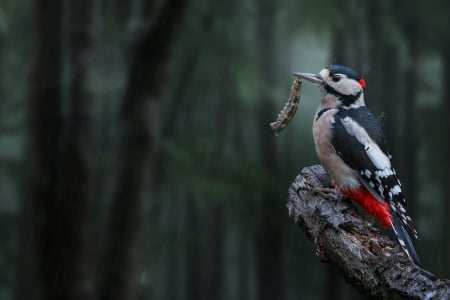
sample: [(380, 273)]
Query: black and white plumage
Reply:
[(352, 147)]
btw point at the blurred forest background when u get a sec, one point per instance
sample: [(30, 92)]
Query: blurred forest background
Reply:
[(136, 160)]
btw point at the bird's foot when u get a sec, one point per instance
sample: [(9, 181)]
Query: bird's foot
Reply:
[(331, 193), (326, 192)]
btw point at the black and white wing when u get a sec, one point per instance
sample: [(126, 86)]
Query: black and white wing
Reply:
[(359, 141)]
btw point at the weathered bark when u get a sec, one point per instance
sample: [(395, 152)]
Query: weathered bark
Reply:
[(366, 258)]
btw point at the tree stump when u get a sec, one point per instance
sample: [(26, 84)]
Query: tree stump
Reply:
[(366, 258)]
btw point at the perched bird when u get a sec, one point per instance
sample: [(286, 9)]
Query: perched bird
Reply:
[(351, 146)]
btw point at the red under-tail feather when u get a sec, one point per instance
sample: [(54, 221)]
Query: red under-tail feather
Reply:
[(364, 198), (381, 212)]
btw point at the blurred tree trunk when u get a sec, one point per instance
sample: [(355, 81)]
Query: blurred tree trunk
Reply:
[(45, 126), (168, 129), (74, 171), (122, 10), (244, 284), (446, 103), (243, 270), (348, 38), (395, 107), (269, 236), (212, 263), (194, 248), (37, 232), (216, 225), (374, 93), (338, 52), (59, 173), (409, 144), (136, 120), (2, 43), (333, 284), (382, 89)]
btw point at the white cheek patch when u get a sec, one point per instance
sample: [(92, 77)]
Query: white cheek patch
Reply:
[(345, 86), (348, 86), (379, 159), (325, 73)]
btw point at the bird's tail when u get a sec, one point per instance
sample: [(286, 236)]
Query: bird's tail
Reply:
[(404, 239)]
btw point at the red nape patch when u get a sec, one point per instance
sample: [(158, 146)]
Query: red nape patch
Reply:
[(362, 82), (370, 204)]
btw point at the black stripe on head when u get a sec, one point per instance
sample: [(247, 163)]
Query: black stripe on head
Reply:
[(350, 73), (347, 100)]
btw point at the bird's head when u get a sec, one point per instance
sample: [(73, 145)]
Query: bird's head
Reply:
[(340, 81)]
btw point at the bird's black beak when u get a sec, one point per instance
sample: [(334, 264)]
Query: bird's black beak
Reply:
[(314, 78)]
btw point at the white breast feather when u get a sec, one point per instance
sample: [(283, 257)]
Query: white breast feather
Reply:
[(376, 155)]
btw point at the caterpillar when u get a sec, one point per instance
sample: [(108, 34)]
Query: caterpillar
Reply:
[(289, 109)]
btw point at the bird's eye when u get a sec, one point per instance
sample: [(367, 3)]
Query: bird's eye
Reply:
[(335, 77)]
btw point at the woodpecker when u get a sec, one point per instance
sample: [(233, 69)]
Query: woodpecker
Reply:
[(352, 147)]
